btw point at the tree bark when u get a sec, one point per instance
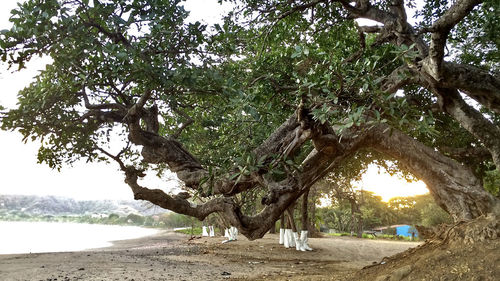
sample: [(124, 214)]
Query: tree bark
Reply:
[(471, 120), (304, 215), (454, 187), (478, 84), (356, 225), (272, 230), (440, 30), (311, 226), (291, 219)]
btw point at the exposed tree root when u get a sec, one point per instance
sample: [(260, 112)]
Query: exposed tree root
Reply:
[(463, 251)]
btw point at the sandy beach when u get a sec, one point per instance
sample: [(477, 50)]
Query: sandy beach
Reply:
[(172, 256)]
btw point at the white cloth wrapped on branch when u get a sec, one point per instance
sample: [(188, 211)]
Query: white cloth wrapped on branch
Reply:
[(298, 242), (232, 233), (291, 238), (304, 239), (287, 238)]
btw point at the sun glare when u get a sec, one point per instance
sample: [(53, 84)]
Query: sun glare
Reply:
[(387, 186)]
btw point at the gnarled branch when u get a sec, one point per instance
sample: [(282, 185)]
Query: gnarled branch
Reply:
[(475, 82), (440, 30)]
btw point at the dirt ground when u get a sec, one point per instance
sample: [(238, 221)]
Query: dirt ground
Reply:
[(467, 250), (171, 256), (464, 251)]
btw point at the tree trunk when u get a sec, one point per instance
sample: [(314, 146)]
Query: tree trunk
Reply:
[(342, 225), (360, 225), (353, 220), (454, 187), (356, 218), (272, 230), (291, 219), (304, 218), (311, 226)]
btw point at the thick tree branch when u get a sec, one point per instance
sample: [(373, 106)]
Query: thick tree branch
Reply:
[(397, 7), (371, 29), (459, 10), (184, 125), (395, 23), (472, 120), (454, 186), (284, 142), (440, 30), (158, 197), (476, 83), (174, 203), (103, 116), (398, 78), (116, 37), (445, 177), (466, 154), (88, 105)]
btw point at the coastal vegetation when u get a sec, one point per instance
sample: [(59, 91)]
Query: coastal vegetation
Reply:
[(335, 216), (60, 209), (415, 210), (166, 221)]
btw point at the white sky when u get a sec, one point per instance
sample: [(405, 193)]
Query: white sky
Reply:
[(20, 173)]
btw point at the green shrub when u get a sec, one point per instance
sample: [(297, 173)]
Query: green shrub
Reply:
[(195, 231), (368, 236), (339, 234)]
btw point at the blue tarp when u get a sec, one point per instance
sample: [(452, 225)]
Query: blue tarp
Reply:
[(404, 230)]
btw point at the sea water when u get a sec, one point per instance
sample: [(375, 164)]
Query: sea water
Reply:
[(40, 237)]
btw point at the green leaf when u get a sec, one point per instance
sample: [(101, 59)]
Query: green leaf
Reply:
[(297, 52), (122, 55)]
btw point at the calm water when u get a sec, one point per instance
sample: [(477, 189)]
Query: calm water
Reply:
[(39, 237)]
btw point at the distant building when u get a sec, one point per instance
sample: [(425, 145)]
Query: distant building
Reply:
[(401, 230), (98, 216)]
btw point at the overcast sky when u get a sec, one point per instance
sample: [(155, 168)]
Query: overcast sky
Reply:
[(20, 173)]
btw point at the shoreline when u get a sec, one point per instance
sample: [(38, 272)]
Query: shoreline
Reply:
[(172, 256), (51, 237)]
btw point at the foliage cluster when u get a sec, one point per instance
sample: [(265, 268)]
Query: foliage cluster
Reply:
[(414, 210)]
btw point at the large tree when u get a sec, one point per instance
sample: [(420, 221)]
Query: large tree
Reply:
[(267, 102)]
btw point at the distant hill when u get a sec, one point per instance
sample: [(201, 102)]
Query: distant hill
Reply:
[(57, 206)]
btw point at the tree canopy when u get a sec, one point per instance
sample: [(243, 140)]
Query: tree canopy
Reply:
[(268, 102)]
